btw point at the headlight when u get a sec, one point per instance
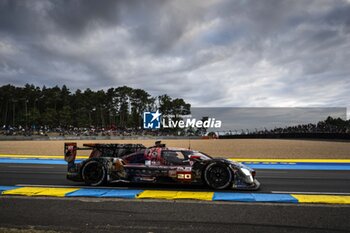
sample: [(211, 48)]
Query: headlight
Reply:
[(246, 171), (248, 176)]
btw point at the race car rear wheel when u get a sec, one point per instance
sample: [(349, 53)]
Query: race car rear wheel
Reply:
[(94, 173), (218, 175)]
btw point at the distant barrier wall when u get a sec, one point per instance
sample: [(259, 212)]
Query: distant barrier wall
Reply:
[(339, 136), (38, 138), (326, 136)]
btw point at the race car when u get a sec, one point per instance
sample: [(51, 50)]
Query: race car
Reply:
[(134, 163)]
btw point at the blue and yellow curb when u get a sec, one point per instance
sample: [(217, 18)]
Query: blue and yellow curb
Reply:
[(173, 195)]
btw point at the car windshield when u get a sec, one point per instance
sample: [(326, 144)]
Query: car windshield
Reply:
[(202, 155)]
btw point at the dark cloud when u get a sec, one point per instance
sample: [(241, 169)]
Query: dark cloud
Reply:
[(212, 53), (74, 17)]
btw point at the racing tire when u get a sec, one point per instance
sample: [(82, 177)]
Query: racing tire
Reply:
[(94, 173), (218, 175)]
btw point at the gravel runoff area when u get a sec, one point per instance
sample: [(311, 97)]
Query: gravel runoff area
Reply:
[(229, 148)]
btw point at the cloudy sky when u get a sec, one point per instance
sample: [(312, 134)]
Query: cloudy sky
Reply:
[(211, 53)]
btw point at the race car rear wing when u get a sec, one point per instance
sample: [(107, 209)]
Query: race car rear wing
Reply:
[(109, 150)]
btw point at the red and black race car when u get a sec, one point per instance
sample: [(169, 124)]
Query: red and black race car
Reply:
[(111, 163)]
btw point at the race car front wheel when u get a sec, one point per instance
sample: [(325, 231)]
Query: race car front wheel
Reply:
[(218, 175), (94, 173)]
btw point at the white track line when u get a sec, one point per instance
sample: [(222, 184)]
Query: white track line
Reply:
[(297, 177), (316, 193)]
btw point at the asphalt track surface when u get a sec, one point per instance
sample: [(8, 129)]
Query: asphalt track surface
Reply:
[(101, 215), (271, 180), (118, 215)]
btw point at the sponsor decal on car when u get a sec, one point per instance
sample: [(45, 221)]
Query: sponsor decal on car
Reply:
[(184, 176)]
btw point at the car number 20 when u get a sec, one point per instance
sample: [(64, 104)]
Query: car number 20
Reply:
[(184, 176)]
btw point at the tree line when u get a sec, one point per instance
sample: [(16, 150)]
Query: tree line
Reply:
[(121, 107), (331, 128)]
